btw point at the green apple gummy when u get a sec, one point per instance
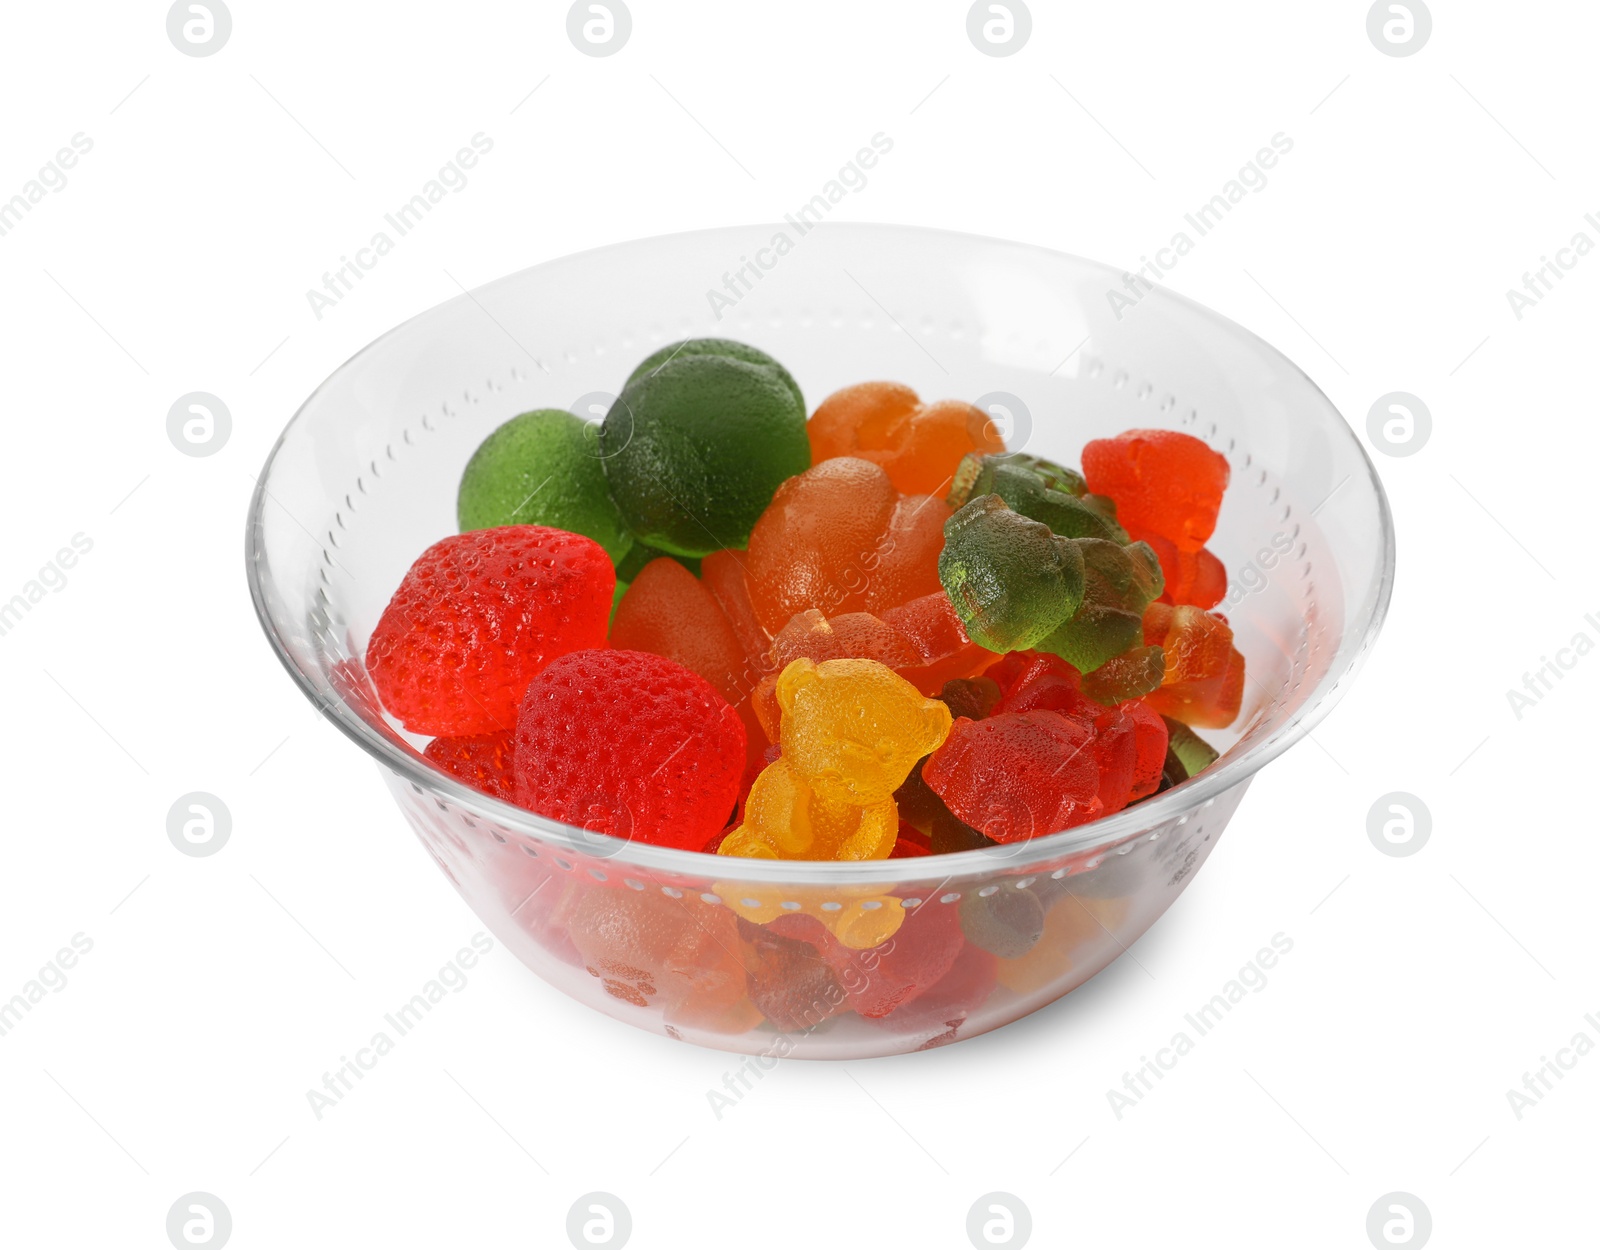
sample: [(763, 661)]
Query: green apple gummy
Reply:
[(542, 468), (696, 444)]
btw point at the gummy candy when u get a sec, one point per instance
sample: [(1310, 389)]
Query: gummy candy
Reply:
[(1018, 775), (922, 641), (850, 732), (650, 950), (666, 611), (1012, 581), (629, 744), (1007, 922), (480, 760), (919, 445), (717, 347), (1192, 577), (542, 468), (1040, 490), (789, 981), (478, 616), (1137, 671), (1187, 752), (722, 573), (941, 1009), (878, 979), (1071, 923), (1118, 582), (1204, 678), (1164, 482), (694, 447), (838, 538)]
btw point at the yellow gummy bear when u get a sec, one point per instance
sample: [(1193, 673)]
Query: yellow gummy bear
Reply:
[(851, 732)]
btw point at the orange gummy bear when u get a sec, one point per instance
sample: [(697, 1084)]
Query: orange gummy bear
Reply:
[(839, 538)]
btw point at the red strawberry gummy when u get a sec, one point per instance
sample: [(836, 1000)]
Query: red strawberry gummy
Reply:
[(629, 744), (481, 760), (478, 616), (1163, 483)]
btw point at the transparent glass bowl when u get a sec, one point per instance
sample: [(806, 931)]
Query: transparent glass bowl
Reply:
[(364, 478)]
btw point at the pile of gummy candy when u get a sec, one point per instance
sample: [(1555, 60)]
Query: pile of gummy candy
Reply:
[(712, 624)]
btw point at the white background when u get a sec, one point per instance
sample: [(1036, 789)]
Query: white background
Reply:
[(177, 258)]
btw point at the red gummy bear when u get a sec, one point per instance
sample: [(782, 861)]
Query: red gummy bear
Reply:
[(629, 744), (1019, 775), (481, 760), (478, 616), (1163, 483)]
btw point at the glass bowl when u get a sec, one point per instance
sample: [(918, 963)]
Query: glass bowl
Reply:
[(1061, 350)]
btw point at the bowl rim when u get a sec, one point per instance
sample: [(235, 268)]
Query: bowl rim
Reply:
[(1232, 769)]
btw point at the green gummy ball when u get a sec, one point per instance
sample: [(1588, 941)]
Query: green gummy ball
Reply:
[(730, 348), (695, 447), (542, 468)]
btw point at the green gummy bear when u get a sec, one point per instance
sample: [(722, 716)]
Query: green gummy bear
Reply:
[(542, 468), (1119, 583), (1041, 490), (1187, 753), (1011, 581), (695, 446)]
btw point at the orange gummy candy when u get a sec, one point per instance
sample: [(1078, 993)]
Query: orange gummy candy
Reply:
[(919, 444), (839, 538), (1193, 577), (1203, 684), (1163, 482)]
